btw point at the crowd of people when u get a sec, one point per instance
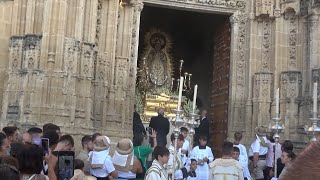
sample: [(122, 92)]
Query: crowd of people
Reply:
[(148, 156)]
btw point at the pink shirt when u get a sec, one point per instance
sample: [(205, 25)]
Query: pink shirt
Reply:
[(270, 154)]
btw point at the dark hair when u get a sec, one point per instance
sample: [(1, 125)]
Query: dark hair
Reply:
[(237, 136), (67, 139), (160, 151), (50, 126), (34, 130), (95, 135), (53, 137), (287, 145), (16, 149), (227, 148), (85, 139), (236, 149), (10, 161), (30, 159), (9, 172), (290, 154), (203, 137), (138, 139), (78, 164), (180, 137), (2, 138), (184, 129), (9, 130), (193, 160)]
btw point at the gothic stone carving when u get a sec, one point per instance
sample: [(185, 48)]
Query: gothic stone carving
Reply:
[(291, 85), (262, 86), (241, 20), (15, 52), (264, 7), (266, 45), (71, 54), (87, 54), (99, 15), (293, 28), (290, 5), (31, 48)]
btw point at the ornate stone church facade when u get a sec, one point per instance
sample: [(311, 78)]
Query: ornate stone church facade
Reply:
[(74, 63)]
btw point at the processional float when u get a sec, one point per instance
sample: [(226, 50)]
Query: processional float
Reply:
[(157, 87)]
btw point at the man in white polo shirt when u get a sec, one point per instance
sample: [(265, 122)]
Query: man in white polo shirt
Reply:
[(258, 152)]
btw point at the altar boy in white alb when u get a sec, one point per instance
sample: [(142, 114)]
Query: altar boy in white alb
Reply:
[(175, 164), (203, 155)]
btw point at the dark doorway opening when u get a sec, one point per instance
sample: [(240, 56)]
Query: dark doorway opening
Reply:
[(195, 37)]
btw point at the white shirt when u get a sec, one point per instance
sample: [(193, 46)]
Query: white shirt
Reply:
[(257, 148), (105, 170), (185, 146), (128, 175), (243, 159)]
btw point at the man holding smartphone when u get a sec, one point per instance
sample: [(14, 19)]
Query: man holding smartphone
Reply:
[(63, 151)]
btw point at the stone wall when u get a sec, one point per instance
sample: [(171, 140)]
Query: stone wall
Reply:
[(5, 33), (72, 63)]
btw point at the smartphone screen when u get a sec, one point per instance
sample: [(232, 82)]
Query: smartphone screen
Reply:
[(66, 164), (45, 145)]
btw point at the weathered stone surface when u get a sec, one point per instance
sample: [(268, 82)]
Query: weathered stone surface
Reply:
[(74, 62)]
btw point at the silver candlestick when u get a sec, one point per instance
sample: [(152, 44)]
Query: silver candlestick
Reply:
[(314, 129), (192, 124), (276, 129), (177, 122)]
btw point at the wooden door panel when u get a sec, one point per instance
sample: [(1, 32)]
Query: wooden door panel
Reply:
[(220, 87)]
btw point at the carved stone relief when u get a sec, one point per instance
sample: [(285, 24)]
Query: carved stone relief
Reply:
[(290, 16), (262, 87), (291, 85), (264, 7), (98, 28), (31, 49), (87, 54), (241, 22), (15, 52), (290, 5), (261, 99), (266, 45), (71, 54), (304, 4)]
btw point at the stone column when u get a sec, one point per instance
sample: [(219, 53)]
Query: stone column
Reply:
[(314, 40), (105, 40), (291, 91), (6, 12), (238, 88), (126, 64)]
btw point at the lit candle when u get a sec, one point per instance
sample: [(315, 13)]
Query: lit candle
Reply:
[(194, 98), (277, 102), (180, 93), (315, 101)]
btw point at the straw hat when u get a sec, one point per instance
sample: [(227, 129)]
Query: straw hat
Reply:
[(101, 143), (124, 147), (261, 130)]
